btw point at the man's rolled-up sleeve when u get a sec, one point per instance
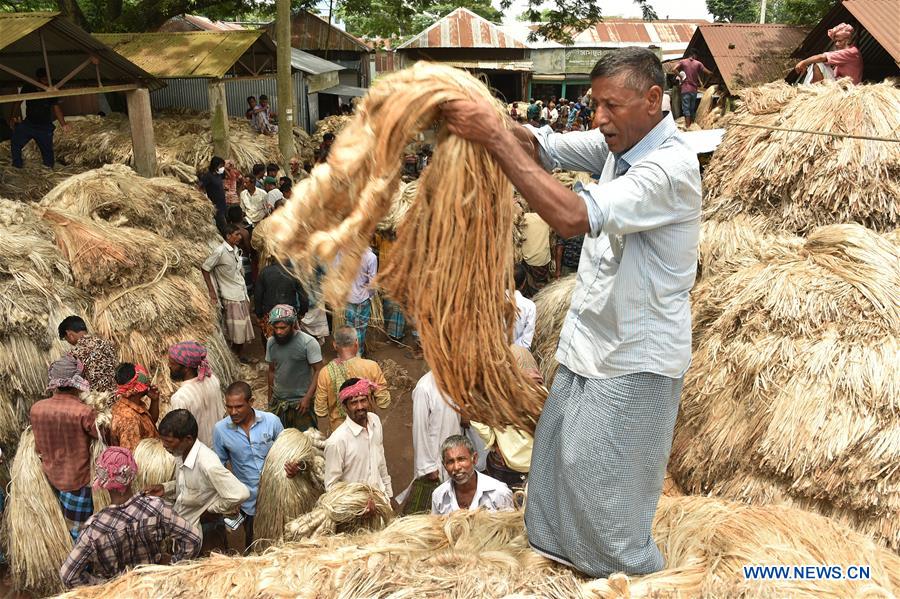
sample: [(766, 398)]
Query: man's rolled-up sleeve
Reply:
[(584, 151), (645, 198)]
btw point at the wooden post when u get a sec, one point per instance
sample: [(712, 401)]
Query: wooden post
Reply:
[(218, 118), (142, 139), (283, 81)]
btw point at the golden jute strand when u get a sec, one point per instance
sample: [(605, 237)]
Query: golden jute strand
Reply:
[(451, 269), (344, 509)]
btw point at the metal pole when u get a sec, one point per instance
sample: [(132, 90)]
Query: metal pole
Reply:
[(285, 92)]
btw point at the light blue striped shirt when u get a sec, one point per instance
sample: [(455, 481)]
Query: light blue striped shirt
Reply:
[(247, 451), (631, 308)]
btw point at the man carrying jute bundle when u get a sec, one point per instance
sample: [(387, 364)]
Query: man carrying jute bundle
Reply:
[(63, 432), (96, 354), (346, 365), (604, 436)]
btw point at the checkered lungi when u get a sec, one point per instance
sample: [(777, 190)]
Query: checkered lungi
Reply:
[(357, 316), (394, 321), (77, 507), (597, 470), (238, 326)]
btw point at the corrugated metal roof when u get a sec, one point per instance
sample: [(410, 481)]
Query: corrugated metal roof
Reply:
[(881, 18), (345, 90), (748, 54), (15, 25), (311, 32), (205, 54), (638, 32), (462, 28), (309, 63), (68, 44)]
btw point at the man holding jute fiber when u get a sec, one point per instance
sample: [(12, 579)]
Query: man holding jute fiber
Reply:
[(604, 437)]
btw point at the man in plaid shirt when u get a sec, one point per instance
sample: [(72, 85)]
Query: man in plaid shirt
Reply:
[(131, 531)]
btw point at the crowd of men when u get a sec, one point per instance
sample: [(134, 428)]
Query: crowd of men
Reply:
[(596, 462)]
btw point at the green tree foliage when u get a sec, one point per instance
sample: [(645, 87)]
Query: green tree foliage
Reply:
[(797, 12), (734, 11), (565, 18), (389, 18)]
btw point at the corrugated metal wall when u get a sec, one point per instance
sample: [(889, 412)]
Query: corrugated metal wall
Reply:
[(192, 93)]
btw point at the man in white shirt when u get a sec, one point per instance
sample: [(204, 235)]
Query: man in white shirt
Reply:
[(467, 489), (433, 420), (626, 341), (200, 392), (202, 484), (526, 315), (359, 302), (273, 193), (355, 450), (253, 201), (225, 267)]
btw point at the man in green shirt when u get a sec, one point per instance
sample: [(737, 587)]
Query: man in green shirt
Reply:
[(295, 360)]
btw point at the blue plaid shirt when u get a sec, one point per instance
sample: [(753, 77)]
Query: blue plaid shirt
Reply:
[(631, 308)]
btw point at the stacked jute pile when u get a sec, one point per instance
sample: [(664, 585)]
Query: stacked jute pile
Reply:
[(706, 543), (787, 183), (36, 293), (330, 124), (552, 304), (451, 270), (792, 395), (135, 245), (181, 139), (33, 180)]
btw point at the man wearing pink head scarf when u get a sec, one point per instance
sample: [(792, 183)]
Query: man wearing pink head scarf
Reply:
[(131, 531), (845, 60)]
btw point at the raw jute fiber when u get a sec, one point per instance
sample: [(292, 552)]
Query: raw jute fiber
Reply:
[(799, 181), (552, 303), (793, 394), (36, 540), (451, 269), (706, 543), (156, 466), (342, 509), (181, 137), (726, 246), (33, 180), (282, 499)]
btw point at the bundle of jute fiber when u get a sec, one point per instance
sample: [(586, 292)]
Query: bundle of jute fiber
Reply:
[(400, 204), (95, 141), (728, 245), (117, 195), (156, 466), (552, 303), (32, 181), (281, 499), (146, 319), (36, 292), (35, 536), (344, 508), (330, 124), (706, 543), (453, 256), (793, 388), (800, 180)]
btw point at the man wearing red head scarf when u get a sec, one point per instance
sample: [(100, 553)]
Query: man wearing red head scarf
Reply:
[(845, 60), (132, 419)]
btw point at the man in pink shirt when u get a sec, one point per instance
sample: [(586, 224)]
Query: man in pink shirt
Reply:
[(845, 59), (689, 71)]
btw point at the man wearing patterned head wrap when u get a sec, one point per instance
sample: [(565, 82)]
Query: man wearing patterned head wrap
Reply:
[(130, 532), (295, 359), (63, 431), (200, 392), (845, 59), (131, 419)]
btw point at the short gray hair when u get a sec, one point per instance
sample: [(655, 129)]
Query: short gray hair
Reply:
[(345, 337), (456, 441), (641, 67)]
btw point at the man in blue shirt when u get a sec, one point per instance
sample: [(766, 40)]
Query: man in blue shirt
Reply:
[(244, 438)]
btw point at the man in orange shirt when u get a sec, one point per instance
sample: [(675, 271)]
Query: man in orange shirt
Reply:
[(345, 366), (131, 419)]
